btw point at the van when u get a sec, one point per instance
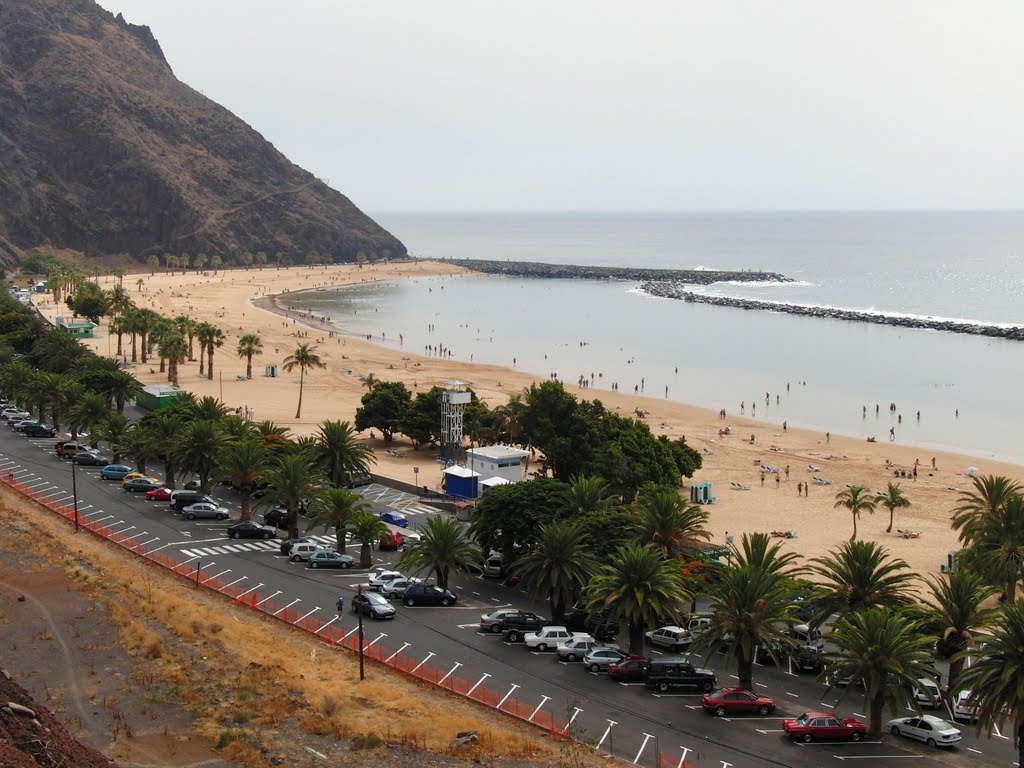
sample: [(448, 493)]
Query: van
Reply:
[(698, 624), (927, 693), (182, 499), (303, 550), (494, 566), (804, 635)]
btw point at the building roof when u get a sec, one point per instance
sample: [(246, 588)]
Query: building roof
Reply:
[(161, 390), (461, 472), (497, 452), (490, 482)]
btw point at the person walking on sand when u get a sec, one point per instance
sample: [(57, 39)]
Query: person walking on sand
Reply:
[(787, 472), (892, 434), (783, 426), (799, 489), (762, 479), (778, 481), (828, 437), (933, 463)]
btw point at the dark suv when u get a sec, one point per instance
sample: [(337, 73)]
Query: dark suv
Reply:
[(806, 659), (428, 594), (39, 430), (182, 499), (667, 672), (277, 517), (599, 625), (515, 625)]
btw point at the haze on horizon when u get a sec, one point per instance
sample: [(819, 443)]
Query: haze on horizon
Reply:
[(588, 105)]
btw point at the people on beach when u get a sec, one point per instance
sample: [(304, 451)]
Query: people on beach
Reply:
[(800, 489), (828, 437), (892, 434)]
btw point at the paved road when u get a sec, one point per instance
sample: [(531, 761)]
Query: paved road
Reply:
[(628, 720)]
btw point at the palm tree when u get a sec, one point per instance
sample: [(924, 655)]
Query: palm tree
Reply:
[(275, 435), (334, 509), (994, 678), (888, 652), (197, 449), (215, 339), (208, 408), (997, 547), (242, 462), (860, 575), (113, 430), (892, 499), (117, 327), (367, 529), (974, 507), (119, 387), (302, 358), (558, 567), (143, 323), (638, 586), (187, 327), (340, 452), (204, 333), (445, 548), (370, 381), (957, 609), (87, 411), (669, 524), (584, 495), (292, 480), (138, 444), (856, 500), (172, 346), (248, 346), (165, 426), (237, 428)]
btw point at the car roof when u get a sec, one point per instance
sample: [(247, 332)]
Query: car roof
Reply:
[(822, 714), (934, 720)]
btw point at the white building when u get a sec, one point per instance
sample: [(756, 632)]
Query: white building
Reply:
[(502, 461)]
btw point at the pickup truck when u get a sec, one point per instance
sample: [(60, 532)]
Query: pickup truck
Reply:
[(516, 625)]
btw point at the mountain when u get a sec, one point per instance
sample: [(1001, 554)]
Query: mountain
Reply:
[(104, 151)]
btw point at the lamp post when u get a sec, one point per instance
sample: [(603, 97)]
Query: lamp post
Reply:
[(74, 491), (359, 613)]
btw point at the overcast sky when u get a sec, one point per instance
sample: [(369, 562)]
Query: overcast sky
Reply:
[(592, 105)]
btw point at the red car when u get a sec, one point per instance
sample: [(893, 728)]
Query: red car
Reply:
[(729, 700), (824, 725), (629, 670), (159, 494), (391, 540)]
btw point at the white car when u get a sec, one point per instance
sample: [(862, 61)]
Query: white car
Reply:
[(577, 648), (927, 693), (963, 709), (491, 622), (378, 579), (549, 637), (397, 587), (205, 511), (671, 638), (934, 731)]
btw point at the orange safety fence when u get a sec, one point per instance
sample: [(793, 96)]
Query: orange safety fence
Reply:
[(333, 633)]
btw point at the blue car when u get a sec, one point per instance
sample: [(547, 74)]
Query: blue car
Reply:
[(395, 519), (116, 471)]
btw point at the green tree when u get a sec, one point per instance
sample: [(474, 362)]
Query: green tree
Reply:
[(87, 411), (138, 444), (558, 566), (197, 450), (200, 261), (89, 301), (249, 346), (638, 587), (172, 346), (334, 509), (892, 499), (207, 408), (860, 575), (383, 408), (855, 499), (242, 462), (339, 451), (990, 494), (152, 261), (994, 678), (302, 358), (997, 547), (444, 549), (669, 524), (367, 529), (957, 609), (584, 495), (293, 482), (112, 430), (120, 387), (419, 421), (511, 516), (688, 459), (165, 426), (216, 262), (206, 334), (888, 653)]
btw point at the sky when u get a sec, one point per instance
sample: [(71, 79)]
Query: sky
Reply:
[(588, 105)]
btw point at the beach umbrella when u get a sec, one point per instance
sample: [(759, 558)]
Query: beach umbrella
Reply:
[(971, 471)]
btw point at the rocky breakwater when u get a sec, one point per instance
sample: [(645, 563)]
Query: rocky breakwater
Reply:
[(677, 290), (636, 274)]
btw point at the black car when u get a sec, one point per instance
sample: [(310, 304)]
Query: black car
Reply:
[(277, 517), (428, 594), (373, 605), (600, 625), (88, 459), (39, 430), (517, 624), (807, 659), (666, 672), (250, 530)]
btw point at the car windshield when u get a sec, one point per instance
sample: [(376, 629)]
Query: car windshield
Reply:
[(373, 597), (803, 719), (715, 693)]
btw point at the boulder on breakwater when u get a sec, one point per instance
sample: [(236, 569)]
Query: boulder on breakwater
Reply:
[(677, 290), (637, 274)]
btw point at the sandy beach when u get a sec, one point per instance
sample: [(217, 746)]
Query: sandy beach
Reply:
[(238, 301)]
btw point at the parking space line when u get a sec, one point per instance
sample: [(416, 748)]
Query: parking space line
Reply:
[(406, 645), (252, 589), (280, 610), (427, 658), (325, 625), (271, 597)]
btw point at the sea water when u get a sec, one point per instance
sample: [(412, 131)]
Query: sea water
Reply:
[(822, 372)]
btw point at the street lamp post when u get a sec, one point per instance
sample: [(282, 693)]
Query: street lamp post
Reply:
[(74, 491), (359, 613)]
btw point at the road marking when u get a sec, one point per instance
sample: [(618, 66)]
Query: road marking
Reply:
[(310, 614), (271, 597), (241, 578), (467, 626), (447, 674), (794, 695), (280, 610), (769, 730), (406, 645), (761, 685), (505, 697), (868, 757), (326, 625), (427, 658), (476, 684), (975, 751)]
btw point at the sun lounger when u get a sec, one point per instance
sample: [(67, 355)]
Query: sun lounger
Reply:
[(740, 486), (813, 468), (822, 481), (908, 534), (770, 470)]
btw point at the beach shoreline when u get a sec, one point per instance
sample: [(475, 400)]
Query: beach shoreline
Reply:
[(246, 301)]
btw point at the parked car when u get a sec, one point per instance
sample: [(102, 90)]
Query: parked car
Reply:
[(599, 624), (391, 540), (39, 430), (381, 575), (204, 511), (516, 625), (373, 605), (632, 669), (491, 622), (673, 638), (14, 414), (287, 544), (824, 725), (250, 529), (666, 672), (304, 550), (132, 476), (181, 499), (577, 648), (88, 459), (805, 658), (933, 731), (927, 693), (428, 594), (397, 587), (963, 707), (137, 484), (277, 517), (68, 448), (328, 559), (602, 658), (547, 637), (115, 471), (355, 479), (807, 636), (21, 424), (163, 493), (737, 700), (394, 518)]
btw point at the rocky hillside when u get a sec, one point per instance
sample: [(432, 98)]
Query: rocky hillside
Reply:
[(104, 151)]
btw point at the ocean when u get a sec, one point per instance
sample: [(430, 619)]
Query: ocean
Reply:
[(817, 373)]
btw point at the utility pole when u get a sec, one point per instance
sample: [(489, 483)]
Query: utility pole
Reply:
[(359, 612), (74, 492)]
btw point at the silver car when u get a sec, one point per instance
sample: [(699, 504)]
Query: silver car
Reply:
[(933, 731), (599, 659), (577, 648), (491, 622), (397, 587), (204, 511)]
